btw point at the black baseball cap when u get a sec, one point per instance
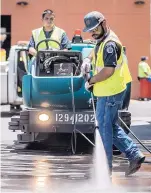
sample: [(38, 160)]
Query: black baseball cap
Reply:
[(143, 58), (47, 11), (92, 20)]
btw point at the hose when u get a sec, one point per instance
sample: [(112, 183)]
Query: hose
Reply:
[(94, 111), (74, 141), (85, 137), (96, 127), (134, 135), (74, 136), (117, 157)]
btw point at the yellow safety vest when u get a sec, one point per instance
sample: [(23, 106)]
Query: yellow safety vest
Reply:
[(2, 55), (127, 74), (114, 84), (38, 35), (143, 67)]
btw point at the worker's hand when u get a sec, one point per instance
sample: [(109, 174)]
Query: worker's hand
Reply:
[(32, 51), (88, 86), (86, 66), (35, 53)]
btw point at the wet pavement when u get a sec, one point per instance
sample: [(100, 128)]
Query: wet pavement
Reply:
[(42, 171)]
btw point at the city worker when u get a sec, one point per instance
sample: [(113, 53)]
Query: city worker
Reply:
[(128, 80), (49, 30), (144, 70), (3, 37), (21, 70), (108, 85)]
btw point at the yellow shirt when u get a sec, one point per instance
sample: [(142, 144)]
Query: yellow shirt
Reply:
[(127, 74), (143, 68)]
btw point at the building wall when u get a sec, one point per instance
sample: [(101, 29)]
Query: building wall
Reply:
[(131, 22)]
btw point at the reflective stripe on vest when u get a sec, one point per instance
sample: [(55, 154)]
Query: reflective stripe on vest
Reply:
[(98, 69), (127, 74), (116, 83), (38, 35)]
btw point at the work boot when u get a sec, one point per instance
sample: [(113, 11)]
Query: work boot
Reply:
[(134, 165)]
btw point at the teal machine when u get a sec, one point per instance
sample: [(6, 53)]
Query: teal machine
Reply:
[(56, 102), (55, 89), (58, 109)]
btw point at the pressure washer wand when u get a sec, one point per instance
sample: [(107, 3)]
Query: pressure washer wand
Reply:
[(93, 104), (73, 100), (74, 121)]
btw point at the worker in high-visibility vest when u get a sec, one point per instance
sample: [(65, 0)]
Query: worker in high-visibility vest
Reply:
[(128, 80), (144, 70), (3, 37), (108, 85), (48, 30), (21, 70)]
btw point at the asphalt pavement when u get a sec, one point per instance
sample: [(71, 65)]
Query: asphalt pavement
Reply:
[(37, 171)]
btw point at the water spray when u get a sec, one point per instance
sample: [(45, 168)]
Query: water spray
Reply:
[(75, 130)]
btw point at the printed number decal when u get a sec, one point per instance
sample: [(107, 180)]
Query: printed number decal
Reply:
[(86, 118), (81, 118), (66, 117), (59, 117), (92, 118)]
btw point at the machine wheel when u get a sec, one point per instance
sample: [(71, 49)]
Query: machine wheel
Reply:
[(126, 117), (12, 107), (18, 107)]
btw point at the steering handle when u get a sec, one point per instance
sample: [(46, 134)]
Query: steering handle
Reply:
[(46, 41)]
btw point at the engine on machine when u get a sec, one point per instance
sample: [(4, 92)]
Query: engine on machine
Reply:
[(58, 63)]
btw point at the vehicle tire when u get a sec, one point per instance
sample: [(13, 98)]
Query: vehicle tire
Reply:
[(127, 123), (124, 114), (126, 117), (18, 107), (12, 107), (116, 151)]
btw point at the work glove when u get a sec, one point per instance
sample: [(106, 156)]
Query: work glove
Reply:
[(86, 66), (88, 86)]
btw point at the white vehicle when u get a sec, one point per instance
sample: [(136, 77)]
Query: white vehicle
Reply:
[(11, 73)]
